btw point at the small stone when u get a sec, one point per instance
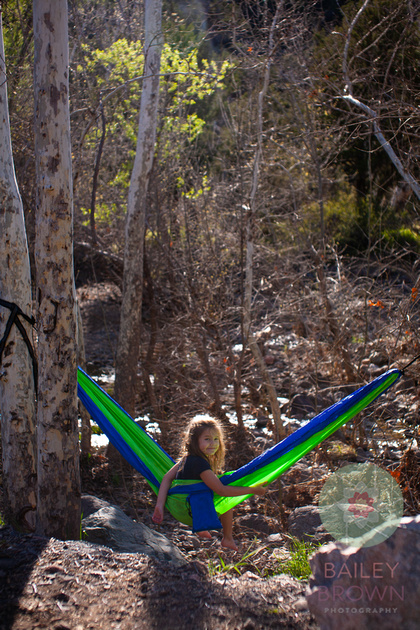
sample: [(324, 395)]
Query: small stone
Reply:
[(305, 523), (301, 604), (256, 522), (250, 575)]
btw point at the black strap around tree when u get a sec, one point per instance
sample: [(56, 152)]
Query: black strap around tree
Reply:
[(15, 313), (410, 363)]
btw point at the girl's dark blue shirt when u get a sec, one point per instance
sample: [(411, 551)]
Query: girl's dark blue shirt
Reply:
[(192, 466)]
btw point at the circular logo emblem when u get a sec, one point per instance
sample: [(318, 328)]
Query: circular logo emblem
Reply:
[(361, 505)]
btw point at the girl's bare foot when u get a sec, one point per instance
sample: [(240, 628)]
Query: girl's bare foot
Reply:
[(229, 543), (205, 535)]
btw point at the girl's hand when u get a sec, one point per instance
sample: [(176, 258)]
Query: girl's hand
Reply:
[(157, 515), (259, 490)]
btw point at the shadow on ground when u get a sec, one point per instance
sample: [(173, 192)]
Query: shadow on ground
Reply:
[(18, 554)]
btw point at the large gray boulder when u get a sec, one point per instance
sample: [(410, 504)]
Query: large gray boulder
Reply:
[(370, 587), (109, 526)]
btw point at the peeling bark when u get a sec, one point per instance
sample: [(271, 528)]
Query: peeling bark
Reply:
[(17, 396), (58, 511)]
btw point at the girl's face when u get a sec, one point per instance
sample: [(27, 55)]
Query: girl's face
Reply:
[(209, 442)]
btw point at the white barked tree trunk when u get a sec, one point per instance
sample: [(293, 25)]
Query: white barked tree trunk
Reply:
[(17, 392), (129, 338), (58, 512)]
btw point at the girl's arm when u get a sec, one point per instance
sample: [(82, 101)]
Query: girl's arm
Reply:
[(214, 483), (163, 493)]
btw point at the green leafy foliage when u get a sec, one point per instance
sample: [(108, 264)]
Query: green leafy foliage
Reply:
[(96, 430), (403, 238), (17, 33), (340, 214), (114, 76), (184, 82)]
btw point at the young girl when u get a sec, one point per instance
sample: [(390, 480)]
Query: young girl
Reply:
[(203, 456)]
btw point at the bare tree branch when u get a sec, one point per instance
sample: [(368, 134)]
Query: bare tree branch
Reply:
[(371, 113), (373, 117)]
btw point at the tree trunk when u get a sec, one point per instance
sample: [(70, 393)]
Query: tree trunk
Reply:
[(58, 510), (93, 235), (129, 337), (250, 237), (17, 392)]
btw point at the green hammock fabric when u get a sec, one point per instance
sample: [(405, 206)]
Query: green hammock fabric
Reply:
[(191, 502)]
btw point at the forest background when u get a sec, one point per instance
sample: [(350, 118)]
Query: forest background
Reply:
[(281, 234)]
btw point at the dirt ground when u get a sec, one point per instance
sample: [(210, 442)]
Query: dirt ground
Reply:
[(73, 585)]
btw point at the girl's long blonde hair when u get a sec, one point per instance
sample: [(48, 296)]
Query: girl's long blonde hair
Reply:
[(190, 442)]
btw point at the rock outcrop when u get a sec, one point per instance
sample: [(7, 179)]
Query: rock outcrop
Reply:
[(375, 587), (109, 526)]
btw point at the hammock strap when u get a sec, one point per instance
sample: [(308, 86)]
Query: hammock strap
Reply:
[(411, 363), (15, 313)]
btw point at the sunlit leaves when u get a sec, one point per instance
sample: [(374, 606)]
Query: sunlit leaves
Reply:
[(114, 76)]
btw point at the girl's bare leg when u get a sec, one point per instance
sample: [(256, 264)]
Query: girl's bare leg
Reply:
[(227, 521)]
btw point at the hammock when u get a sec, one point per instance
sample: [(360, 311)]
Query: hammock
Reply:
[(192, 502)]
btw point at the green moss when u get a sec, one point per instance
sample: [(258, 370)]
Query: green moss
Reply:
[(403, 237), (297, 565)]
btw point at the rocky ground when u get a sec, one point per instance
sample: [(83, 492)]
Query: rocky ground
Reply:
[(76, 585), (51, 584)]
